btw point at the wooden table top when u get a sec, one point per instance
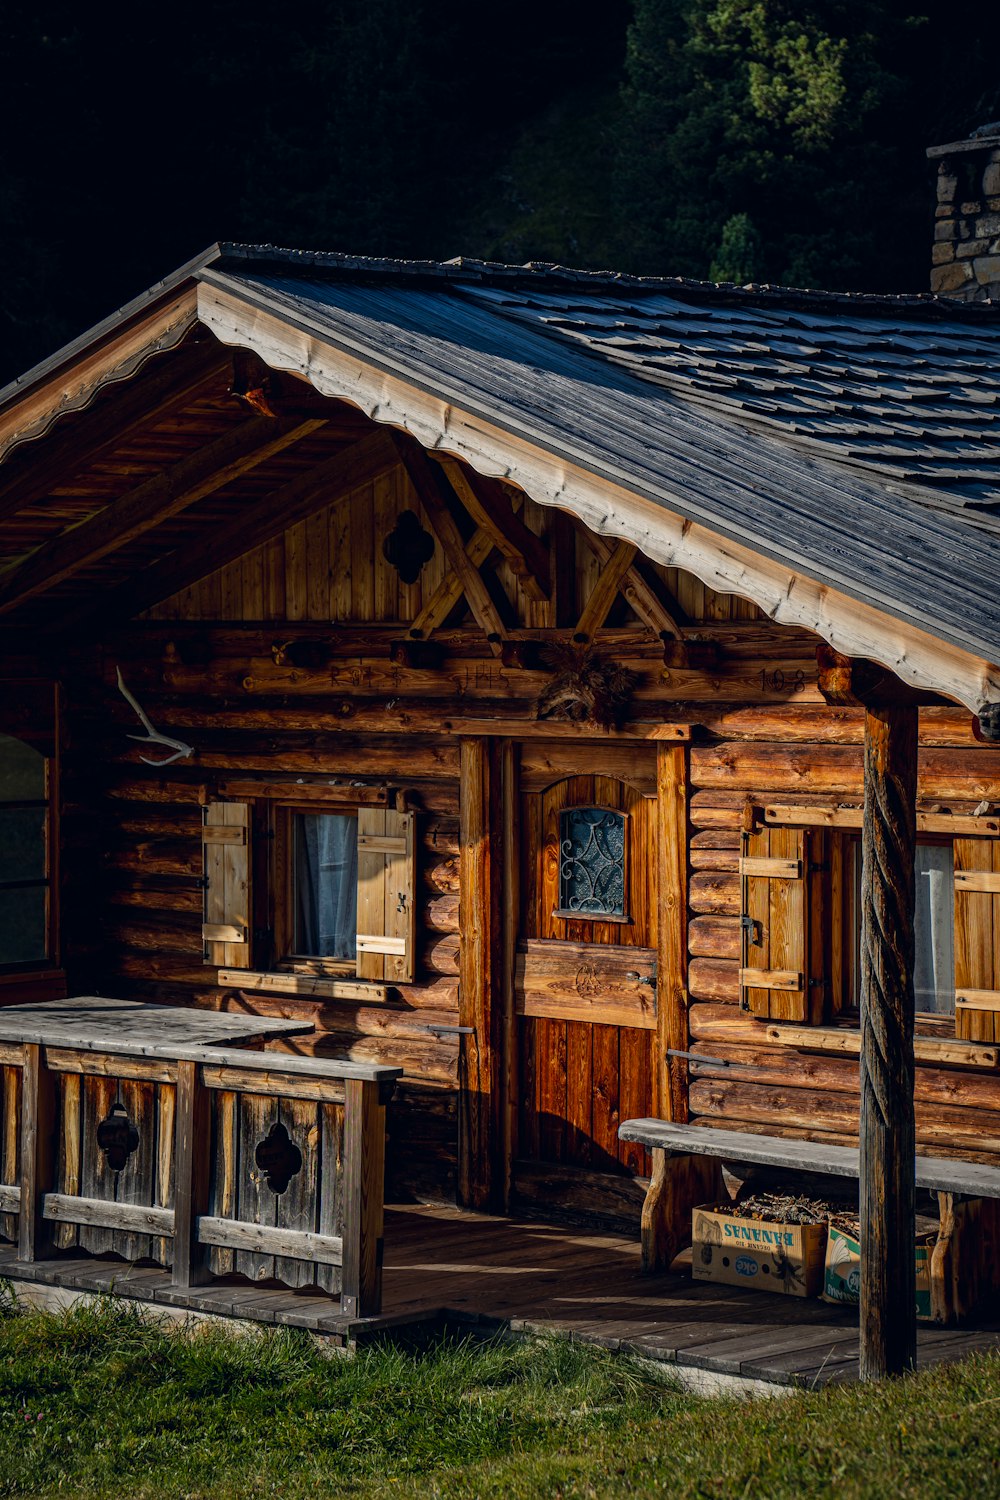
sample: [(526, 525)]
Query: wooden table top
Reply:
[(94, 1022)]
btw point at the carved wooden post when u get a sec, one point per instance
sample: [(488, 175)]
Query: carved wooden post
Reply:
[(887, 1187)]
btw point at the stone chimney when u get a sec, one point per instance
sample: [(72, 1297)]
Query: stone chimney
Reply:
[(966, 258)]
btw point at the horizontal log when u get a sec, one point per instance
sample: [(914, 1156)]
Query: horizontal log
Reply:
[(837, 1072), (969, 774), (99, 1213), (725, 860), (714, 937), (421, 1055), (714, 979), (716, 838), (714, 893), (973, 1129), (956, 824), (296, 1244), (543, 764), (846, 1040), (840, 1138)]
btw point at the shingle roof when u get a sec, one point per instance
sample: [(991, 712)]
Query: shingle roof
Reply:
[(538, 362)]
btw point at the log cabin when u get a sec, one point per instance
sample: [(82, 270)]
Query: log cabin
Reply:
[(478, 664)]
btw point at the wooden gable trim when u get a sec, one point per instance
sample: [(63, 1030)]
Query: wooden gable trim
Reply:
[(73, 383), (606, 504)]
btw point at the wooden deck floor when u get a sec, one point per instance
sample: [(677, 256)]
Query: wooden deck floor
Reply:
[(474, 1270)]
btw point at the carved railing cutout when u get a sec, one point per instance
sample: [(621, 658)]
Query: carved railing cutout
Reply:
[(278, 1158), (117, 1137)]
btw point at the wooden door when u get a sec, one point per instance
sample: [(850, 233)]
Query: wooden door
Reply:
[(586, 1013)]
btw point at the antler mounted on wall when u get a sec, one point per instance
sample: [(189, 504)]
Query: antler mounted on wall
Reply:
[(153, 736)]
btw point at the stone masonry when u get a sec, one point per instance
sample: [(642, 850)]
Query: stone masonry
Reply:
[(966, 258)]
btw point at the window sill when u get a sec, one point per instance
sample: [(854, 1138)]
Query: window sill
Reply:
[(366, 991), (846, 1040)]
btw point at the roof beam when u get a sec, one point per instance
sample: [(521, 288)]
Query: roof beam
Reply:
[(490, 507), (149, 504), (605, 590), (641, 588), (430, 485), (109, 423), (363, 461)]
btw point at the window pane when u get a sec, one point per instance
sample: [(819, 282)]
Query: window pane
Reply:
[(592, 861), (22, 771), (22, 926), (934, 929), (22, 843), (326, 885)]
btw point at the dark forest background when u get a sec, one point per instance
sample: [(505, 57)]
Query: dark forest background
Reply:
[(733, 139)]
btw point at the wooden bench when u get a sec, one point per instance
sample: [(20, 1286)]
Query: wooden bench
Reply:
[(966, 1257)]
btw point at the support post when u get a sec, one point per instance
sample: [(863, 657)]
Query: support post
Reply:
[(887, 1137), (510, 914), (38, 1153), (364, 1199), (192, 1168), (480, 1139)]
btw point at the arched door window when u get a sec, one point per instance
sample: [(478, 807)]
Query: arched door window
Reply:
[(592, 863), (25, 882)]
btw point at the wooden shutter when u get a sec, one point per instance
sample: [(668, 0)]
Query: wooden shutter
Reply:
[(226, 912), (977, 933), (774, 878), (387, 917)]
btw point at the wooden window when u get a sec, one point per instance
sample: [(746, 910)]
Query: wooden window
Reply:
[(977, 936), (774, 877), (27, 857), (341, 879)]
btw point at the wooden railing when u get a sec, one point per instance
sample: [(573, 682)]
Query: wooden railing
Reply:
[(209, 1160)]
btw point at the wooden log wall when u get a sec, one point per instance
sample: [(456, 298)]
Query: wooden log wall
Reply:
[(777, 1088)]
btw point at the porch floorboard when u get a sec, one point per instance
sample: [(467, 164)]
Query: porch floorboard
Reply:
[(445, 1265)]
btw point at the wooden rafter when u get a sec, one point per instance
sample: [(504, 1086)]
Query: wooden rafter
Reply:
[(358, 464), (429, 484), (641, 588), (439, 606), (149, 504), (90, 436), (605, 590), (490, 507)]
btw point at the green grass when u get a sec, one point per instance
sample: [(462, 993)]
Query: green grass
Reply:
[(110, 1402)]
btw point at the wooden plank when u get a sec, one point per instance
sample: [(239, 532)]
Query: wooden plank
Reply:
[(400, 876), (771, 869), (978, 999), (267, 1240), (75, 1060), (256, 1203), (771, 979), (586, 982), (977, 880), (222, 1178), (38, 1152), (297, 1205), (371, 894), (151, 503), (480, 1146), (226, 924), (128, 1217), (277, 1085), (10, 1138), (192, 1173), (70, 1149), (304, 984), (975, 915), (510, 918), (364, 1168), (10, 1199)]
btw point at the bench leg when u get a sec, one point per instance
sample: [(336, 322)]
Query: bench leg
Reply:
[(678, 1184)]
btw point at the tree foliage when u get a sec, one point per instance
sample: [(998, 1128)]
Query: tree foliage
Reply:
[(742, 138)]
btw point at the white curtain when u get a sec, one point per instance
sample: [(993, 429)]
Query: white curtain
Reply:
[(934, 930), (326, 884)]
